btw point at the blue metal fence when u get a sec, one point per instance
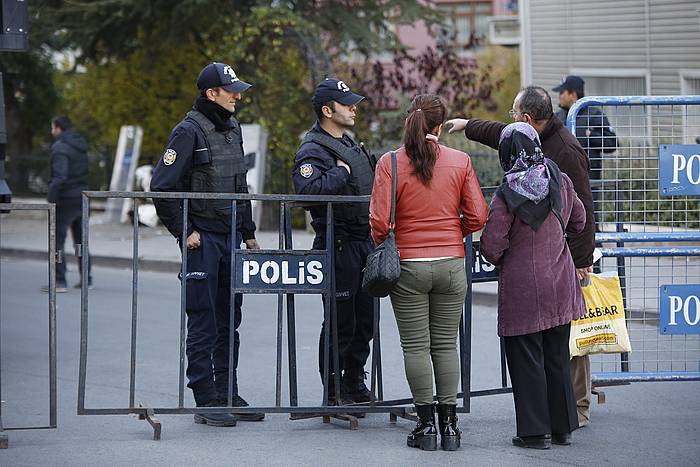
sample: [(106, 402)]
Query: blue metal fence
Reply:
[(651, 239)]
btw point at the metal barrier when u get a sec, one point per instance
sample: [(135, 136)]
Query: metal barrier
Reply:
[(325, 259), (636, 206), (52, 258)]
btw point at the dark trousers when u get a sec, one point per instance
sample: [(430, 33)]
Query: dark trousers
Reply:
[(208, 318), (69, 216), (538, 364), (353, 306)]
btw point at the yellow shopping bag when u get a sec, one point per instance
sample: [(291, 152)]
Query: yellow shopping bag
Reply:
[(602, 329)]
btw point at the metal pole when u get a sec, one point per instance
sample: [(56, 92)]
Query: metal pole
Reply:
[(465, 333), (291, 325), (83, 312), (327, 300), (134, 300), (232, 303), (52, 318), (280, 318), (183, 305), (334, 308)]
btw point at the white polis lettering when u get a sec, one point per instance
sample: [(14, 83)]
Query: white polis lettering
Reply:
[(677, 304), (267, 266), (481, 265), (691, 165), (273, 272)]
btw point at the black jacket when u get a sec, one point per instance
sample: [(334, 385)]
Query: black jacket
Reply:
[(69, 168), (559, 145), (600, 137), (187, 147), (316, 173)]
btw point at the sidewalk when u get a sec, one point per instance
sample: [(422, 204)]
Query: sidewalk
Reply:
[(24, 234)]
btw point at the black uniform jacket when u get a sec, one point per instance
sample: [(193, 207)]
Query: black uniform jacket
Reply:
[(316, 173), (186, 149)]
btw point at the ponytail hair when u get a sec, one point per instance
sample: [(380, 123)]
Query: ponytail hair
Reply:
[(426, 112)]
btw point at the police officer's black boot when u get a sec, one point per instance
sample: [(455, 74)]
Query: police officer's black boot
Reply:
[(353, 385), (238, 401), (214, 419), (424, 435), (450, 435)]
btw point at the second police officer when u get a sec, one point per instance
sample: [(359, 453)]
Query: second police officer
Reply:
[(330, 162), (205, 154)]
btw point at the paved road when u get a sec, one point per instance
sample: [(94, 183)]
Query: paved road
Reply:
[(641, 424)]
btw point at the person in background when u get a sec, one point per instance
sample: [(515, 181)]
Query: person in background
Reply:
[(69, 178), (593, 129), (531, 214), (438, 203)]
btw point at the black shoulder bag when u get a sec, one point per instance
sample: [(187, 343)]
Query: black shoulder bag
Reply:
[(383, 265)]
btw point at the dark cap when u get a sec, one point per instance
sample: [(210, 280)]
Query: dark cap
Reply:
[(220, 75), (570, 83), (331, 89)]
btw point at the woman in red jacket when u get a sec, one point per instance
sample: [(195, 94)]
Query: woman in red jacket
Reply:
[(533, 211), (438, 203)]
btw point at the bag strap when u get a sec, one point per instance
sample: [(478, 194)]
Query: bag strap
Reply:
[(392, 217)]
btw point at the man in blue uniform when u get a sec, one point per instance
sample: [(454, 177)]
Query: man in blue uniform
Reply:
[(329, 162), (205, 154)]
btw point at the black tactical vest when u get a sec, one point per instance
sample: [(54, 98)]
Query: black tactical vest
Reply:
[(219, 176), (361, 177)]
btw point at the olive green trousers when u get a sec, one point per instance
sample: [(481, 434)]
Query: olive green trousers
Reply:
[(427, 304)]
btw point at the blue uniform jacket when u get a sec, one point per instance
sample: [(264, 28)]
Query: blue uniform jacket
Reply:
[(186, 149), (316, 173)]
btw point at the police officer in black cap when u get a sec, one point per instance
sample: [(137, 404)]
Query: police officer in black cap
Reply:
[(205, 154), (329, 162), (593, 129)]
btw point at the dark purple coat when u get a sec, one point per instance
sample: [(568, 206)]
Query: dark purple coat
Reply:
[(537, 284)]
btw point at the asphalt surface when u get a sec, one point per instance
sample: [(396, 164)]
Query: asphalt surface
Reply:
[(641, 424)]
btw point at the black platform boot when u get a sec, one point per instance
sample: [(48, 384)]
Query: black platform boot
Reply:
[(424, 435), (450, 435)]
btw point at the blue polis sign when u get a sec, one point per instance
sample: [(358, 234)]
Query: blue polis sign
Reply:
[(300, 272), (679, 309), (679, 170), (287, 272)]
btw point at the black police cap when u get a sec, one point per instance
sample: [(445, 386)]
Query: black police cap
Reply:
[(220, 75), (331, 89), (570, 83)]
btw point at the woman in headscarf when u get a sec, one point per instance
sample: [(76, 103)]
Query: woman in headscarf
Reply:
[(532, 212)]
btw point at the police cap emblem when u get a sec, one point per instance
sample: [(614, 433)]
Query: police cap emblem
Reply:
[(169, 156), (306, 170)]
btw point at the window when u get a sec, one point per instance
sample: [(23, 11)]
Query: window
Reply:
[(690, 86), (466, 22)]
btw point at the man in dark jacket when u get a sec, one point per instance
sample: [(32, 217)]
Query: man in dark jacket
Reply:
[(204, 153), (534, 106), (593, 129), (69, 178), (329, 162)]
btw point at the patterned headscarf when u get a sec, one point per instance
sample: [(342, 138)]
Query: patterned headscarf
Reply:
[(531, 186), (521, 157)]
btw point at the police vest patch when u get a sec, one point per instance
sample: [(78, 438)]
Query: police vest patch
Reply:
[(169, 156), (306, 170)]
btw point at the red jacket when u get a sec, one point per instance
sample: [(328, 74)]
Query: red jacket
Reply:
[(428, 222)]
